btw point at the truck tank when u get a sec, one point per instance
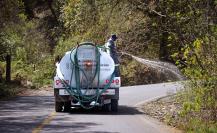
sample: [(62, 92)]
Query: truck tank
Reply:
[(87, 61)]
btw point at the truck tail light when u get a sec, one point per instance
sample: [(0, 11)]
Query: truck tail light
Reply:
[(88, 63), (58, 82), (117, 81)]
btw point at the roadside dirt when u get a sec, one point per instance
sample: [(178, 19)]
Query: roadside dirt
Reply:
[(164, 109), (43, 91)]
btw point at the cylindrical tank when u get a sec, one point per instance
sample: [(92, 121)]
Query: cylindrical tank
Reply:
[(87, 60)]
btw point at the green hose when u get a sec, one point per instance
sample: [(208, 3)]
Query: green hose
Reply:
[(76, 92)]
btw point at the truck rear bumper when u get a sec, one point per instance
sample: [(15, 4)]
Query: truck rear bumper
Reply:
[(61, 95)]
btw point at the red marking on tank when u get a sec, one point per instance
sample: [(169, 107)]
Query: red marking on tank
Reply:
[(113, 81), (58, 82)]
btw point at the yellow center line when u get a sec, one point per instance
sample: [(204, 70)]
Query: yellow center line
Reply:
[(45, 122)]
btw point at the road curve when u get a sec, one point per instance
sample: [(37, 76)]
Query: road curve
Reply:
[(36, 114)]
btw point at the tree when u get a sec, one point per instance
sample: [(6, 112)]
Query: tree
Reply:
[(9, 15)]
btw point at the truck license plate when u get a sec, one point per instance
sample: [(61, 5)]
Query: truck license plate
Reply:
[(63, 92)]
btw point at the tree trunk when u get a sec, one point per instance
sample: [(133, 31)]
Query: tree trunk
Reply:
[(163, 54), (1, 75), (28, 10), (8, 68), (50, 2)]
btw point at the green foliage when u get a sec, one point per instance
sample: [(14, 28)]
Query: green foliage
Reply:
[(21, 38), (200, 95), (198, 126), (65, 45), (44, 72)]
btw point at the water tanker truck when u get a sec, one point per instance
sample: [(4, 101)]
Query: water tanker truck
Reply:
[(85, 77)]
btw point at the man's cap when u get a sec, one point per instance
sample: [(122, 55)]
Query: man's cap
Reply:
[(114, 36)]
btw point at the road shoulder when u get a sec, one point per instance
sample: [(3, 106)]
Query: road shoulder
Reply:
[(162, 111)]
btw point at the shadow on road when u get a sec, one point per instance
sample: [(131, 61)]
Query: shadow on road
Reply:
[(37, 104), (23, 114), (123, 110)]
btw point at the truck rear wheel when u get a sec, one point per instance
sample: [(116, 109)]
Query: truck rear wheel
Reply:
[(114, 105), (67, 106), (106, 107), (58, 106)]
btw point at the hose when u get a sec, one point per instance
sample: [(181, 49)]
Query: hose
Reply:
[(76, 92)]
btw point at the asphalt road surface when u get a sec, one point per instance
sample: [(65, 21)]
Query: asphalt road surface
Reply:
[(36, 114)]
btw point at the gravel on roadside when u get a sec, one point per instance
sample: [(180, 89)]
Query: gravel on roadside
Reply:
[(165, 109), (43, 91)]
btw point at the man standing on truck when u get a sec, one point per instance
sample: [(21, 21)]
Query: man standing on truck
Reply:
[(111, 49)]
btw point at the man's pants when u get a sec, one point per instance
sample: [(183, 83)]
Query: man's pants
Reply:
[(117, 71)]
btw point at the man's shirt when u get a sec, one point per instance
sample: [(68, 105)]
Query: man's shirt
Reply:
[(111, 49)]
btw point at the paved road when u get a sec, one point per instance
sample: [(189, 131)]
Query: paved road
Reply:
[(36, 114)]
